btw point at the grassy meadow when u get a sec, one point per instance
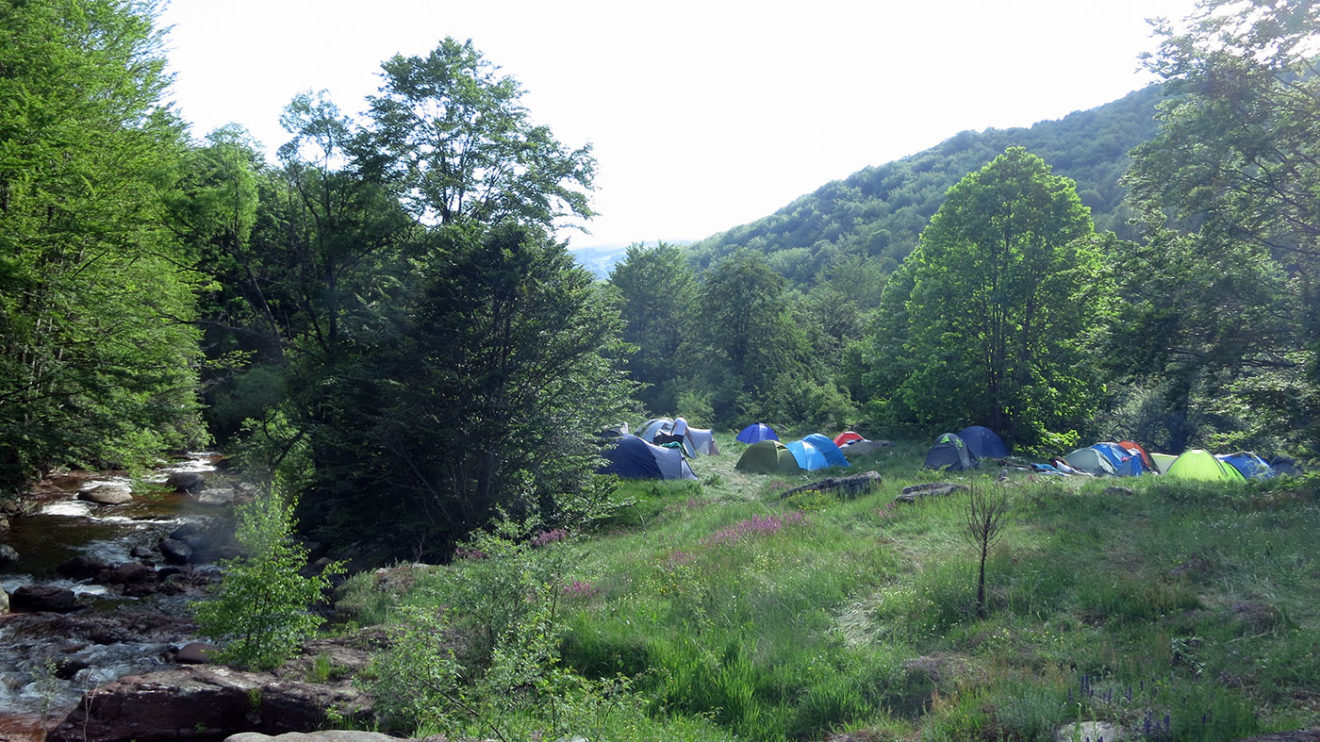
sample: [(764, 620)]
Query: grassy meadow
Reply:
[(718, 609)]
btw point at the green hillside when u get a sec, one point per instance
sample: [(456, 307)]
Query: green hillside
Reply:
[(879, 211)]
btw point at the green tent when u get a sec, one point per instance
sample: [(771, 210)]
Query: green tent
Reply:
[(768, 457), (1203, 466)]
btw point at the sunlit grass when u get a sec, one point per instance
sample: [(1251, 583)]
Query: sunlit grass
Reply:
[(791, 618)]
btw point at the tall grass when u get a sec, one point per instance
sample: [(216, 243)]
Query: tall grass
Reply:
[(793, 618)]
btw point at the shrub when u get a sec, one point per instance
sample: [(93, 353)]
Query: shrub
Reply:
[(259, 613)]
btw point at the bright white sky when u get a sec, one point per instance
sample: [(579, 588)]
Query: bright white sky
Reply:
[(703, 115)]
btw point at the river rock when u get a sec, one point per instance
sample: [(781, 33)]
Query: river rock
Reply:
[(44, 598), (80, 568), (7, 554), (175, 551), (107, 493), (206, 703), (843, 487), (219, 496), (188, 482), (1095, 731), (4, 601), (128, 573)]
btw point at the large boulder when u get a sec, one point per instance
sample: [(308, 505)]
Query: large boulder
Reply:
[(188, 482), (107, 493), (206, 703), (44, 598)]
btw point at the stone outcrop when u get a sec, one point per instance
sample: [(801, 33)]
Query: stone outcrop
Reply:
[(204, 702), (844, 487), (933, 489), (207, 703)]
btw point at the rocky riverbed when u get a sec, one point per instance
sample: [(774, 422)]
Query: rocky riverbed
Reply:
[(97, 572)]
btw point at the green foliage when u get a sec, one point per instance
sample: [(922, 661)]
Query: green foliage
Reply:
[(476, 386), (488, 662), (260, 611), (95, 297), (751, 351), (656, 293), (998, 301), (452, 134), (1222, 295)]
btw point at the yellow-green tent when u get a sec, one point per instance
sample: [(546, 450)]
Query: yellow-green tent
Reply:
[(1202, 466)]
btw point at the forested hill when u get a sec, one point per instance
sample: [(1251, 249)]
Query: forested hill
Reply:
[(879, 211)]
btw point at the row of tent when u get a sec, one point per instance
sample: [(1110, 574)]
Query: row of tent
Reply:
[(1128, 459), (639, 457), (965, 449), (808, 454)]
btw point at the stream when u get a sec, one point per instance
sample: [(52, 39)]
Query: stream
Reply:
[(49, 659)]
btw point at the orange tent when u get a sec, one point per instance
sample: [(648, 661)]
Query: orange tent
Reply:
[(1136, 450)]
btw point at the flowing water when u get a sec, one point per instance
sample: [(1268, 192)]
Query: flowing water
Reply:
[(48, 660)]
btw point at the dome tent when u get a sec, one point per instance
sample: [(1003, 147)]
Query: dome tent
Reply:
[(950, 452), (1202, 466), (633, 458), (831, 452), (983, 442), (1090, 460), (809, 458), (846, 437), (758, 432), (768, 457), (695, 440), (1248, 464)]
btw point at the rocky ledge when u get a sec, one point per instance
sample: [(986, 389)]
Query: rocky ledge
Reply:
[(206, 702)]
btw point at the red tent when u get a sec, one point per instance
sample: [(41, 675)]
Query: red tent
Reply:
[(846, 437)]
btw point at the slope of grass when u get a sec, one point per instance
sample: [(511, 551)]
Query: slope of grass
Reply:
[(1180, 611)]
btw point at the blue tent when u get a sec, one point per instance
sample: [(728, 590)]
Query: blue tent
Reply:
[(983, 442), (757, 432), (633, 458), (1113, 453), (1133, 466), (809, 458), (831, 452), (1251, 465)]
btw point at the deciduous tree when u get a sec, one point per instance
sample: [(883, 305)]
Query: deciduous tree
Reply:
[(1002, 291), (97, 351), (1227, 191), (656, 292)]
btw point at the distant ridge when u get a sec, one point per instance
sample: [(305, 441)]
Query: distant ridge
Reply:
[(878, 212)]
